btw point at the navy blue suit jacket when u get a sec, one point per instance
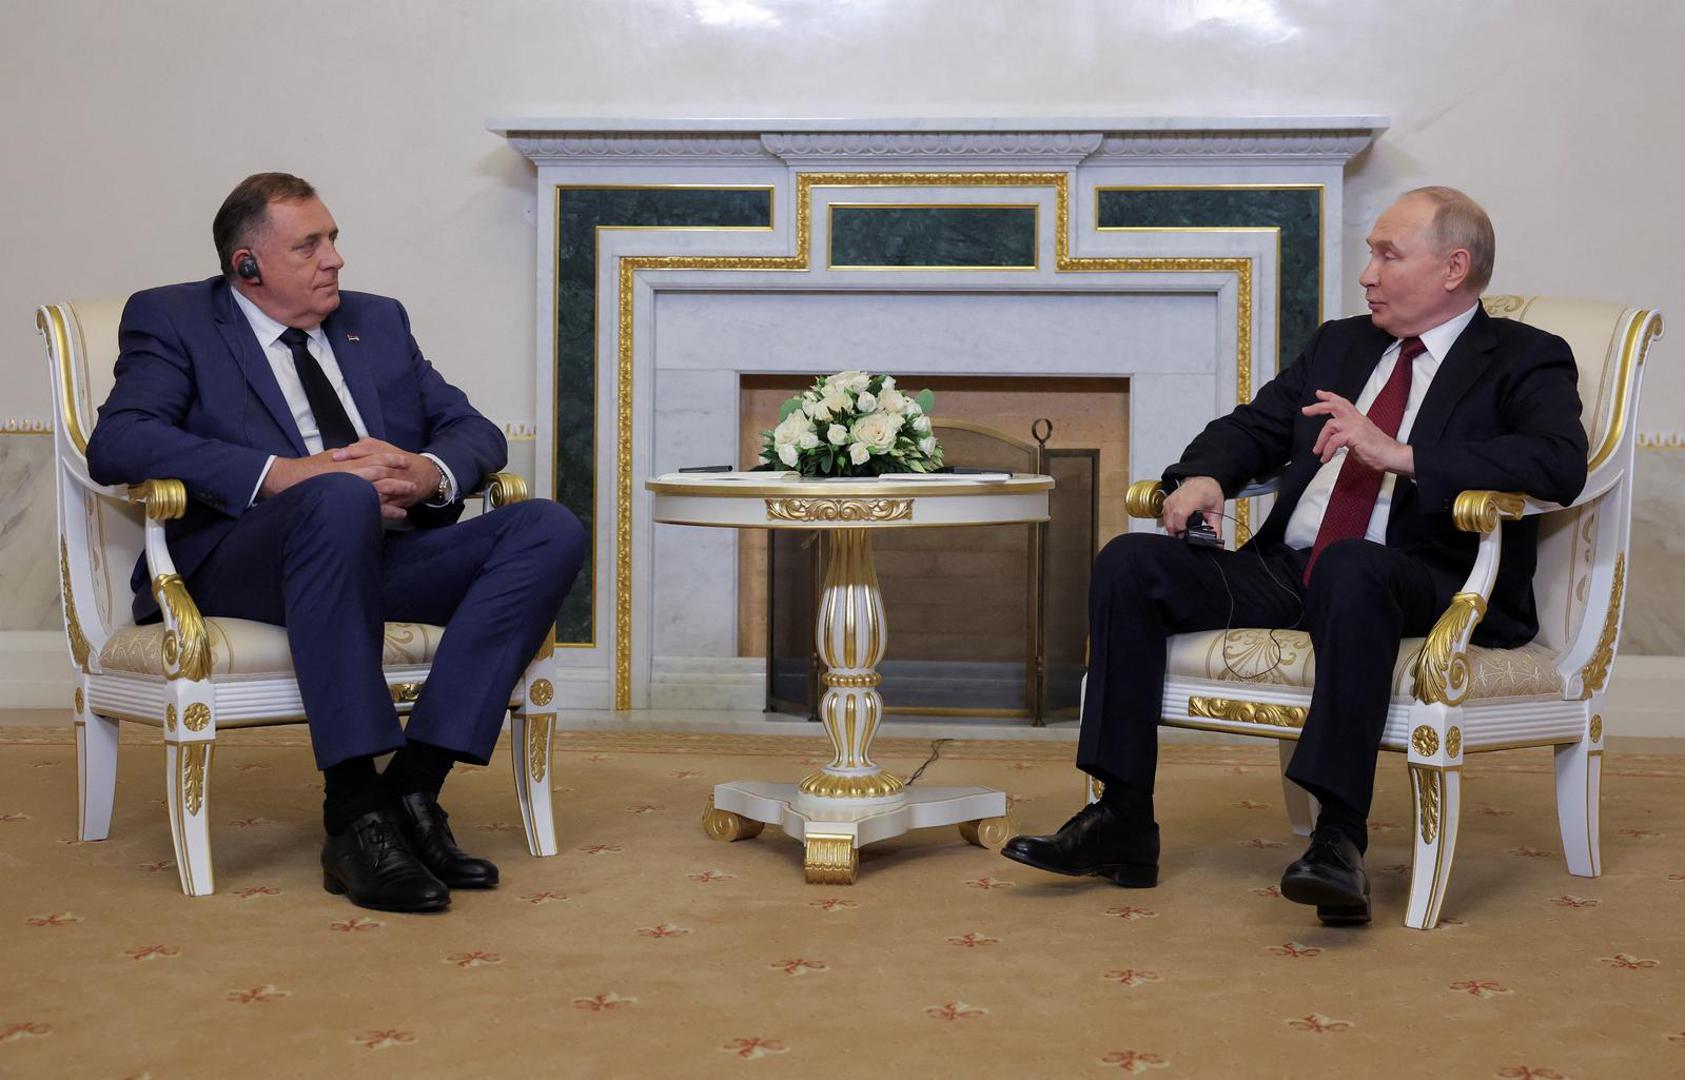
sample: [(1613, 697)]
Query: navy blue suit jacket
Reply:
[(195, 399), (1502, 414)]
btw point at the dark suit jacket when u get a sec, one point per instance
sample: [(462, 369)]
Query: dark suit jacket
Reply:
[(195, 399), (1502, 413)]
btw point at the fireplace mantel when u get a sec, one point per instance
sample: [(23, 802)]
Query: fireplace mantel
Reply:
[(677, 255)]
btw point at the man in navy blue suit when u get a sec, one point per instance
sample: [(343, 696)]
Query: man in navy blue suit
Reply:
[(1375, 429), (325, 462)]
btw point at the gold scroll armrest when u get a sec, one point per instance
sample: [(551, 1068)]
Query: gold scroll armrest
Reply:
[(501, 489), (1145, 498), (186, 647), (1442, 667)]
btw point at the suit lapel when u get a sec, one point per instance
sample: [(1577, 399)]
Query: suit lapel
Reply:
[(1458, 372), (254, 365), (347, 345)]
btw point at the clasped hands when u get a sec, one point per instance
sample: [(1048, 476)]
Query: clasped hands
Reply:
[(401, 478), (1347, 428)]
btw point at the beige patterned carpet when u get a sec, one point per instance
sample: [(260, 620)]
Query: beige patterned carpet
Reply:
[(646, 950)]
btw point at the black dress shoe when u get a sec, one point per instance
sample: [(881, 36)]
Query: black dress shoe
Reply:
[(1096, 842), (427, 828), (371, 863), (1330, 875)]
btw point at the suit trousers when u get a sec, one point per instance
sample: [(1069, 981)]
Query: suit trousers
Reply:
[(1362, 600), (316, 560)]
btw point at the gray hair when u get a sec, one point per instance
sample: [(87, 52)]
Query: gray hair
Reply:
[(1459, 222)]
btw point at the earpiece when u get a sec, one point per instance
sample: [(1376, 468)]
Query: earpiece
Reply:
[(246, 267)]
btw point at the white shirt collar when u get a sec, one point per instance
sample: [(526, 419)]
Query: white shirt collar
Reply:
[(268, 331), (1439, 340)]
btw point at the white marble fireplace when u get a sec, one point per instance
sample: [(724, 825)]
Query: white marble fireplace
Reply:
[(1177, 253)]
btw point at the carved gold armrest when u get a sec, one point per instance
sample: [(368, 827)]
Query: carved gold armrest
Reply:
[(165, 500), (1145, 499), (1480, 511), (503, 488)]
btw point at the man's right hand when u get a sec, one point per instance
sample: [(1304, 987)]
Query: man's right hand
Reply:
[(1196, 493), (386, 472)]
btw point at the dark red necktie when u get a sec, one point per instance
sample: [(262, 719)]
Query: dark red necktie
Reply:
[(1352, 502)]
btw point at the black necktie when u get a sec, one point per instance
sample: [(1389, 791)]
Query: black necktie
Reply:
[(332, 423)]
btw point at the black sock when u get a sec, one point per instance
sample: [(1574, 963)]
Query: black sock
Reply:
[(417, 767), (350, 789), (1129, 801), (1337, 815)]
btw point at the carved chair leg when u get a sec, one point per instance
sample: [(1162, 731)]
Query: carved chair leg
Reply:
[(1437, 791), (529, 748), (188, 782), (96, 773), (1579, 776), (1302, 806)]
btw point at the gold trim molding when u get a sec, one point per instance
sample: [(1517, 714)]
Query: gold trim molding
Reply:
[(1454, 741), (195, 762), (1424, 740), (165, 500), (1429, 786), (404, 693), (1596, 671), (187, 648), (505, 488), (839, 509), (1596, 727), (197, 717), (1144, 499), (538, 745), (79, 647), (824, 785), (1248, 712), (541, 693), (725, 826)]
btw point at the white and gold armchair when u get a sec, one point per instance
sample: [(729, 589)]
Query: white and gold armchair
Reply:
[(1451, 699), (195, 676)]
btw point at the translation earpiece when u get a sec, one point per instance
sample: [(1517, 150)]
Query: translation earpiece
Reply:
[(246, 267)]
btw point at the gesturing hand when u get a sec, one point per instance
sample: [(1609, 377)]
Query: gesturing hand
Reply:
[(1200, 493), (1349, 429), (405, 479)]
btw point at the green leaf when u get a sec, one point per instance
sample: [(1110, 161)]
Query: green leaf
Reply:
[(789, 407), (926, 400)]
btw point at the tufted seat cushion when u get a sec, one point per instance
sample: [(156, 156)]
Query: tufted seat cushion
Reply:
[(1250, 656), (243, 647)]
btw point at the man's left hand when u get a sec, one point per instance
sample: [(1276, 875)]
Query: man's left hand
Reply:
[(1349, 429), (419, 470)]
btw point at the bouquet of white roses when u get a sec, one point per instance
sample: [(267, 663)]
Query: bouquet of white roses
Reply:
[(853, 424)]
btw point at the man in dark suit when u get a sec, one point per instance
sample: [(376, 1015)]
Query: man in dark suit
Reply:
[(325, 462), (1375, 428)]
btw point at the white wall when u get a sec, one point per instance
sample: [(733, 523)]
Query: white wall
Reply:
[(126, 123)]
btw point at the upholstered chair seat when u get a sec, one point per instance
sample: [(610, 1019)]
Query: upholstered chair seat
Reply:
[(243, 647)]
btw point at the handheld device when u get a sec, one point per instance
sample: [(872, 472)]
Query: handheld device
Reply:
[(1201, 534)]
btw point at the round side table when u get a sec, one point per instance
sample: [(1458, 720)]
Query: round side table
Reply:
[(852, 801)]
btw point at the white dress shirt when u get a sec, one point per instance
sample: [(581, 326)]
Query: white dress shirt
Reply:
[(280, 358), (1306, 519)]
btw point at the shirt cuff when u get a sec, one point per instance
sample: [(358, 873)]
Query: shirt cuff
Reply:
[(450, 480), (261, 477)]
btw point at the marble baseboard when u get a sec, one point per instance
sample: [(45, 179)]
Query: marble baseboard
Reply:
[(1654, 623)]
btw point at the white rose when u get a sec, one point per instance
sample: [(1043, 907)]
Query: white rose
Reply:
[(816, 409), (888, 383), (892, 400), (927, 445), (876, 431), (914, 408), (836, 400), (921, 424), (789, 455), (837, 434), (858, 453), (788, 435), (852, 381), (866, 403), (809, 439)]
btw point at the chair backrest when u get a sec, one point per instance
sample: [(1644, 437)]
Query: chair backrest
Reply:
[(100, 538), (1609, 343)]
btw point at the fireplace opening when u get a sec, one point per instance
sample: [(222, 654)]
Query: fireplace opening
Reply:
[(984, 622)]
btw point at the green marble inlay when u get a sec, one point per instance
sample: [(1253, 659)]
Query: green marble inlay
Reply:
[(580, 212), (1296, 211), (982, 237)]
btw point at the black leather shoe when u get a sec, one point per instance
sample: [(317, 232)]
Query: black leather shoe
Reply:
[(427, 828), (371, 863), (1330, 875), (1096, 842)]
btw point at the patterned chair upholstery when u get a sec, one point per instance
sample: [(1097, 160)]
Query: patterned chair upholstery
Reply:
[(193, 676), (1451, 699)]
